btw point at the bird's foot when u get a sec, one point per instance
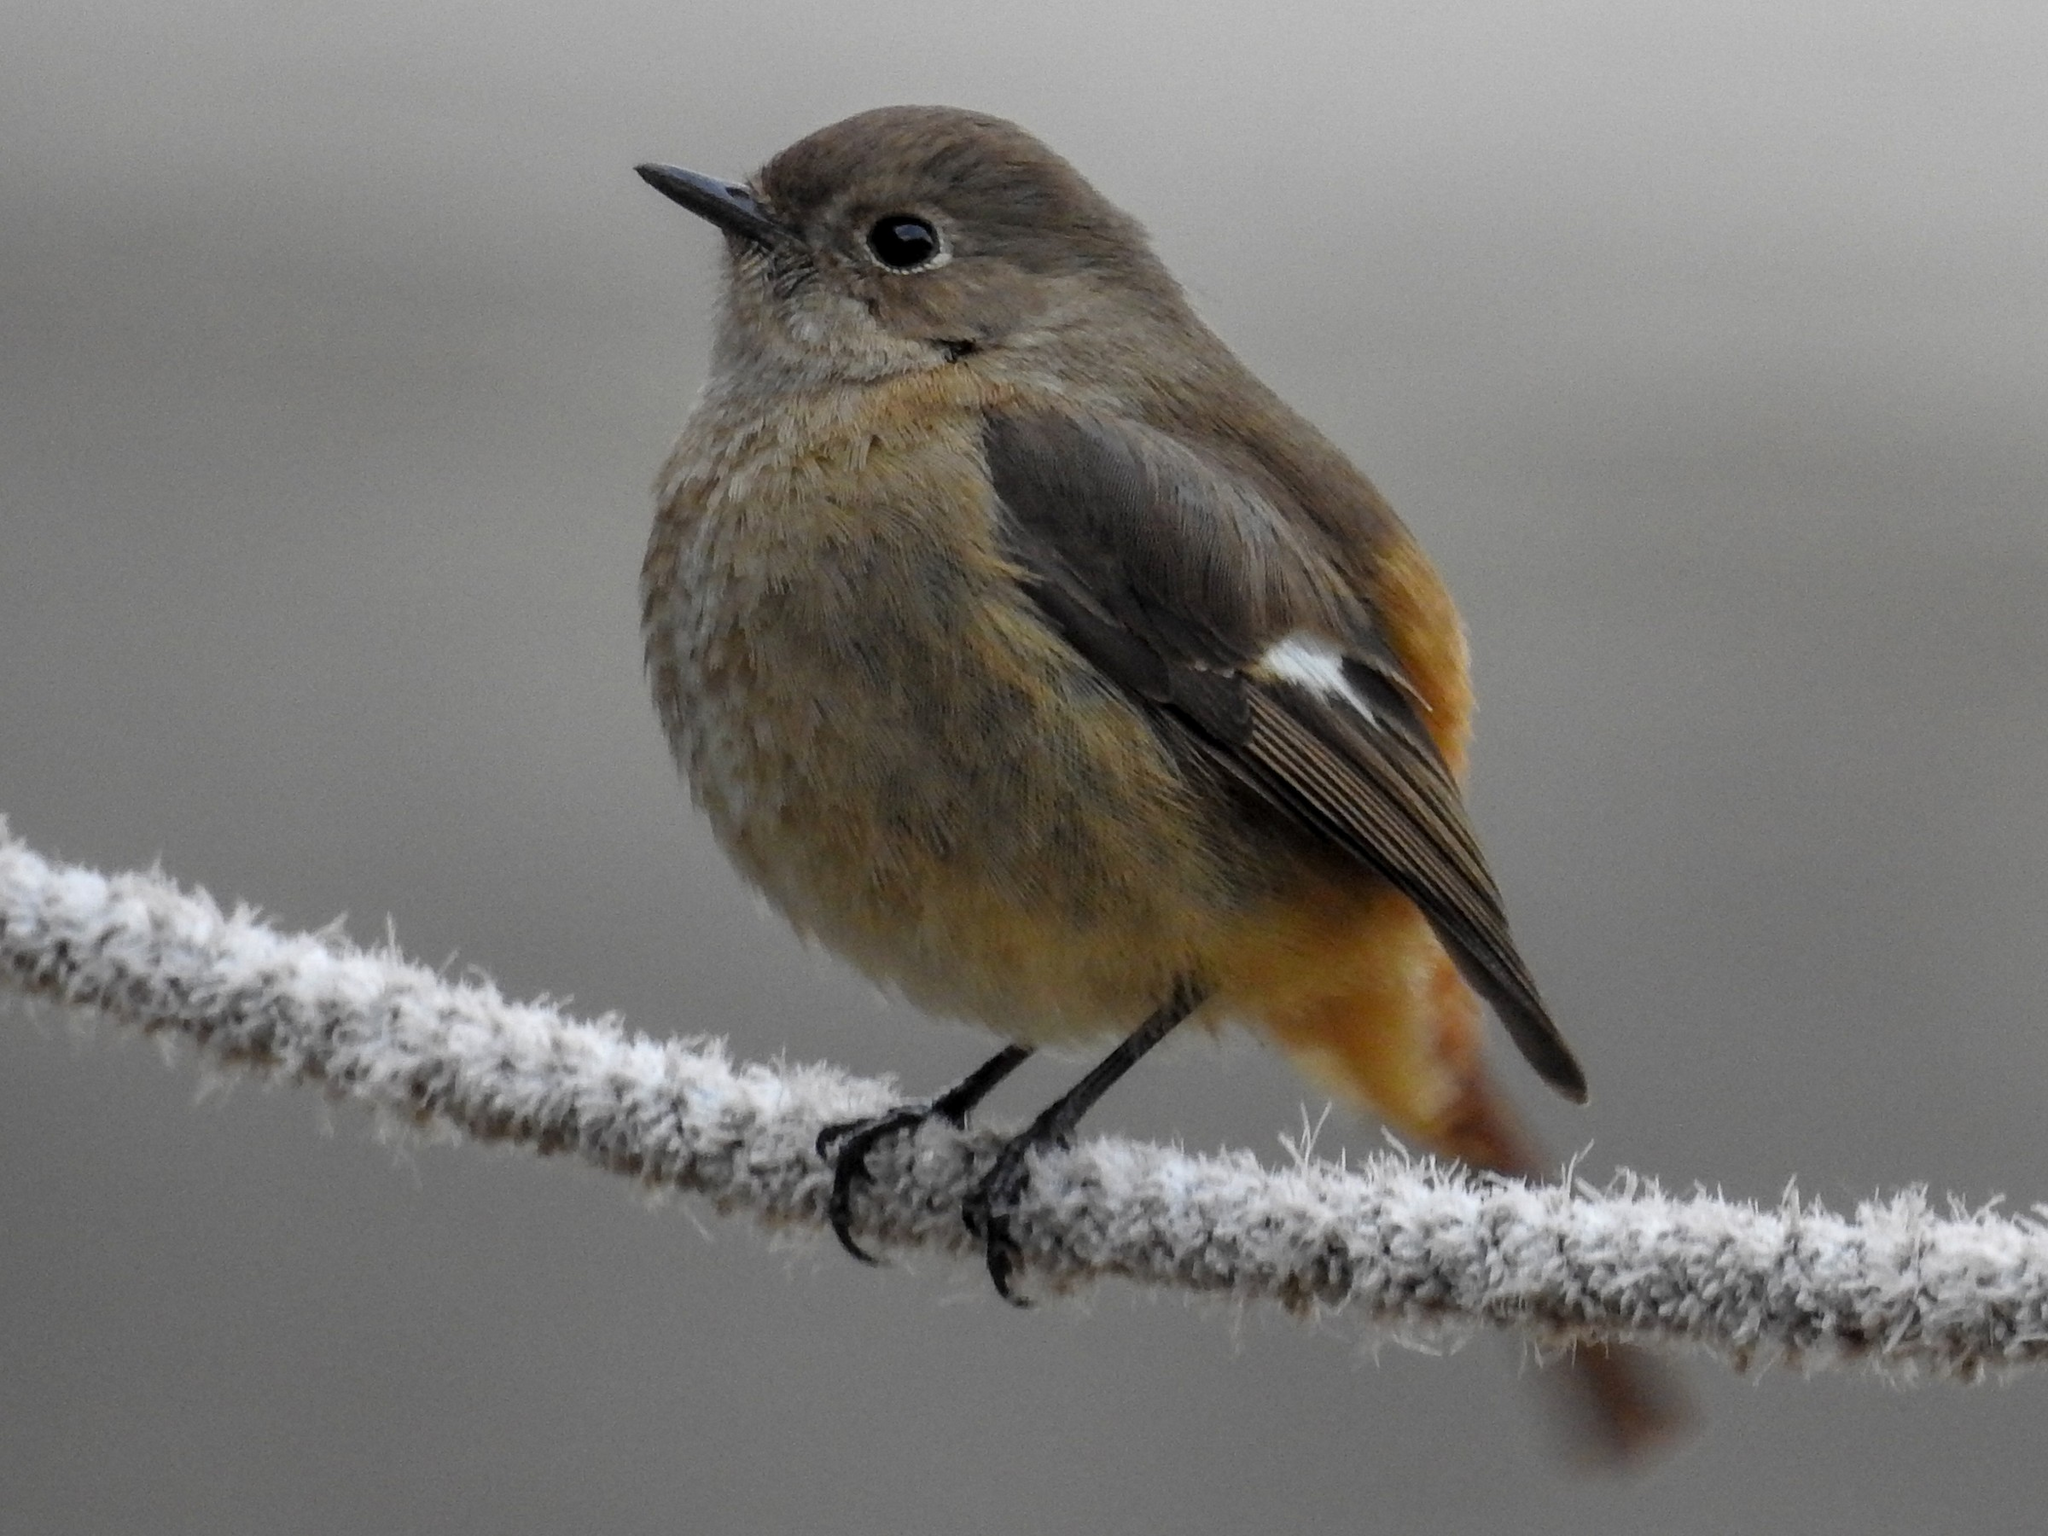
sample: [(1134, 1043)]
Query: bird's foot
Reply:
[(990, 1210), (854, 1140)]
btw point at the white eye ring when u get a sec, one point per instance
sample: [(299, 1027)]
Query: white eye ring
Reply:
[(906, 242)]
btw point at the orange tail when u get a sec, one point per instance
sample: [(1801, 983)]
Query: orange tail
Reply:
[(1403, 1039), (1625, 1403)]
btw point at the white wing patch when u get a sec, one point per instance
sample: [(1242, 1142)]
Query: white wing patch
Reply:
[(1311, 662)]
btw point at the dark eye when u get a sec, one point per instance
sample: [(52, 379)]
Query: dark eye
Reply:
[(903, 242)]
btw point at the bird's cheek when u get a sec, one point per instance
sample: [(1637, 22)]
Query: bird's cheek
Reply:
[(954, 304)]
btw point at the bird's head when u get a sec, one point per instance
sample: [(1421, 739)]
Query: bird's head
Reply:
[(915, 238)]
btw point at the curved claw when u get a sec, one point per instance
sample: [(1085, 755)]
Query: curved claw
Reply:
[(988, 1210), (855, 1139)]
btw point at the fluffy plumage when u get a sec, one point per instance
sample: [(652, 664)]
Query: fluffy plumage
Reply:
[(1025, 649)]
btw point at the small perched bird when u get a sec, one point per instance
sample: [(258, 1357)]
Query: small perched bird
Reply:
[(1031, 654)]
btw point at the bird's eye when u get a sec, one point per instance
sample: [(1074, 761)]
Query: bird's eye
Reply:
[(903, 242)]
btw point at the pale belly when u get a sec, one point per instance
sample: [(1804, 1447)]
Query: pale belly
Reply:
[(894, 749)]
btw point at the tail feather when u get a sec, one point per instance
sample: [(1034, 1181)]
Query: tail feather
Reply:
[(1406, 1044), (1626, 1405)]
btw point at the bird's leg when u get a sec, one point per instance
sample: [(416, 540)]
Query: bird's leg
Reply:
[(856, 1138), (988, 1210)]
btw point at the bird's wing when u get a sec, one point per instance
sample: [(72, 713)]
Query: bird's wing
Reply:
[(1185, 586)]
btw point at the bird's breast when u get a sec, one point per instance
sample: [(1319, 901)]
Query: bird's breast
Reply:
[(894, 747)]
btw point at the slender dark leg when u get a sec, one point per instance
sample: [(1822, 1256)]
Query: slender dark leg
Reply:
[(856, 1138), (987, 1211)]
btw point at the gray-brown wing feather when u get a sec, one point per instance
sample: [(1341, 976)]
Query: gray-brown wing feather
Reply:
[(1173, 578)]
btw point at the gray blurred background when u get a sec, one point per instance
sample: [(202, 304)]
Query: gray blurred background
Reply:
[(1706, 348)]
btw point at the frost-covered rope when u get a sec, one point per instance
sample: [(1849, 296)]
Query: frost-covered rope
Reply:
[(1406, 1244)]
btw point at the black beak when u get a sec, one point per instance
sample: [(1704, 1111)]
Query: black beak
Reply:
[(728, 204)]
